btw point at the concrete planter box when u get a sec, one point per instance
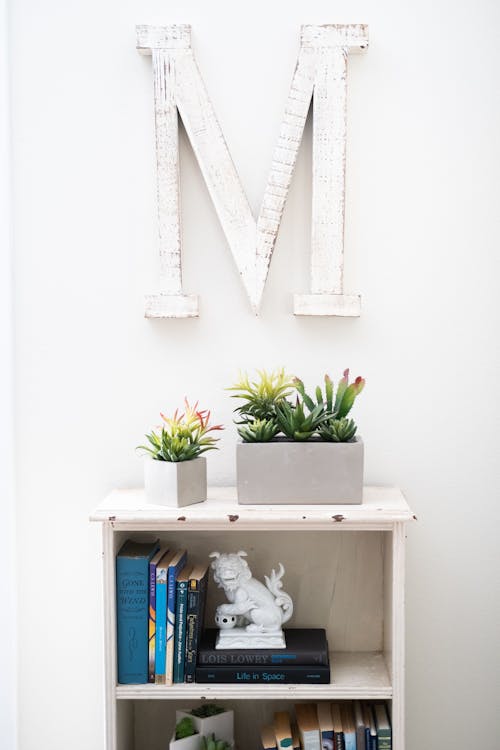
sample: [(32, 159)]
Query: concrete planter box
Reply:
[(175, 484), (287, 472)]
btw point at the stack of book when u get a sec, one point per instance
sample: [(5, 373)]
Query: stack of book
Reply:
[(160, 603), (347, 725), (303, 661)]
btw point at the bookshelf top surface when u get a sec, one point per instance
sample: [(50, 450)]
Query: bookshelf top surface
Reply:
[(380, 509)]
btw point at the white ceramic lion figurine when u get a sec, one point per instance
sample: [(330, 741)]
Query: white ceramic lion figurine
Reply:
[(262, 609)]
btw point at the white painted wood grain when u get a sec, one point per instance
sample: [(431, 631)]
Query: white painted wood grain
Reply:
[(322, 68), (380, 509)]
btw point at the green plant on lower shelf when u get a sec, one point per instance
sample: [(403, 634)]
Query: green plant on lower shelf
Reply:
[(210, 743), (258, 431), (185, 728), (295, 423), (206, 710), (337, 430)]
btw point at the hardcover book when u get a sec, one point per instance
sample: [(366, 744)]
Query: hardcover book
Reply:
[(176, 564), (295, 737), (308, 726), (283, 730), (132, 572), (338, 730), (371, 728), (267, 738), (197, 592), (303, 646), (161, 618), (348, 725), (180, 623), (152, 610), (384, 737), (300, 675), (360, 726), (325, 725)]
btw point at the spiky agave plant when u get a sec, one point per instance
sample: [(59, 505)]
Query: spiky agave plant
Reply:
[(258, 431), (261, 396), (295, 423), (182, 437)]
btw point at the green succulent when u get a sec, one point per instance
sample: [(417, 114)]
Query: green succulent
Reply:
[(258, 431), (182, 437), (261, 396), (210, 743), (295, 423), (185, 728), (337, 430), (206, 710)]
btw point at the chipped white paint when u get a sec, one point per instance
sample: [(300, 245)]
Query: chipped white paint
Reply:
[(360, 553), (321, 68)]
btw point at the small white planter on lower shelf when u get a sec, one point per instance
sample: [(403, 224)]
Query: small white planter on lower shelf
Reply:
[(221, 725), (175, 484), (187, 743), (306, 473)]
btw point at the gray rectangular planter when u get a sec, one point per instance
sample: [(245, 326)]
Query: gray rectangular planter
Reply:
[(287, 472)]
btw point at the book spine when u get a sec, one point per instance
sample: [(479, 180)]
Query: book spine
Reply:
[(212, 656), (350, 740), (173, 572), (384, 739), (270, 675), (161, 628), (194, 623), (132, 619), (326, 738), (339, 741), (180, 631), (152, 622)]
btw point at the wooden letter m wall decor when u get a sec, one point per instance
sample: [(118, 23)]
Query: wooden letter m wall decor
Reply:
[(321, 76)]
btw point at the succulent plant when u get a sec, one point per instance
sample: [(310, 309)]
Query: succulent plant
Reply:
[(210, 743), (295, 423), (182, 437), (337, 430), (258, 431), (206, 710), (261, 396), (185, 728)]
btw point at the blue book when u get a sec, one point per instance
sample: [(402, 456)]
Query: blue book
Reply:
[(152, 610), (180, 623), (177, 563), (132, 571), (161, 619)]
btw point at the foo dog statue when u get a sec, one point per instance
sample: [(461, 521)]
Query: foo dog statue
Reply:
[(255, 613)]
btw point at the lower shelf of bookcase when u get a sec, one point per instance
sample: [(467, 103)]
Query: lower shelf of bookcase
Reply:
[(360, 675)]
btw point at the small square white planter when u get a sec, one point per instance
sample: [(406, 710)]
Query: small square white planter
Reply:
[(221, 725), (175, 484), (312, 472), (187, 743)]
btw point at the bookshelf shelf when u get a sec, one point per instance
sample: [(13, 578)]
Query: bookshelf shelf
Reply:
[(350, 581), (355, 675)]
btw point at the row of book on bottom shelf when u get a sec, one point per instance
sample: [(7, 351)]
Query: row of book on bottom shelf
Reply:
[(347, 725), (160, 607)]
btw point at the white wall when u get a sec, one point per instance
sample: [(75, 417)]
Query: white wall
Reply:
[(8, 666), (422, 246)]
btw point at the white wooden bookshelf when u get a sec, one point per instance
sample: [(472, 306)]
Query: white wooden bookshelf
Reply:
[(344, 570)]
